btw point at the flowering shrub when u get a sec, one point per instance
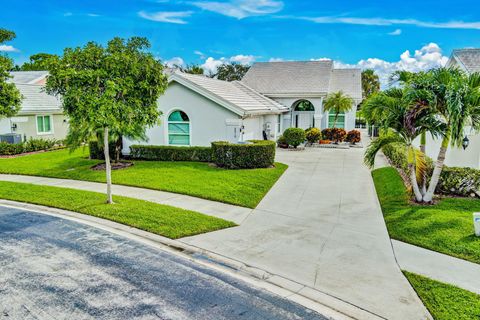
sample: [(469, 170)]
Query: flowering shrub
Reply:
[(282, 142), (334, 134), (313, 135), (353, 136)]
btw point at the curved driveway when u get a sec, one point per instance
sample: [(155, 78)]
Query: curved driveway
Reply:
[(321, 225), (52, 268)]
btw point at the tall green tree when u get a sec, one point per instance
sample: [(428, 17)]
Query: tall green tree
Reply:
[(111, 89), (338, 102), (231, 71), (39, 62), (193, 69), (10, 97), (370, 83)]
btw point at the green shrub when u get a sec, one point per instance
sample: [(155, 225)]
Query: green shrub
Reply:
[(294, 136), (334, 134), (96, 151), (8, 149), (313, 135), (31, 145), (171, 153), (353, 136), (282, 142), (459, 181), (258, 154)]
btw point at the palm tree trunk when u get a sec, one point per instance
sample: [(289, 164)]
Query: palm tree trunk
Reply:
[(413, 175), (108, 169), (423, 143), (437, 170), (335, 120)]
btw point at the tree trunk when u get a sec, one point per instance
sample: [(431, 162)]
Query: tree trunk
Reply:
[(423, 143), (437, 170), (335, 120), (413, 175), (108, 168), (118, 149)]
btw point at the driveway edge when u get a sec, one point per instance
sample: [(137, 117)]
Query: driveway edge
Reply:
[(308, 297)]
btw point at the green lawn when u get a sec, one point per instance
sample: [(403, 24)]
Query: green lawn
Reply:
[(445, 227), (240, 187), (444, 301), (164, 220)]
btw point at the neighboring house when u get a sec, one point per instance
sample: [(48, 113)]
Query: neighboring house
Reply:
[(467, 60), (272, 96), (40, 115)]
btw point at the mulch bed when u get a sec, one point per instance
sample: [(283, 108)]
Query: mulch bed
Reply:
[(115, 166)]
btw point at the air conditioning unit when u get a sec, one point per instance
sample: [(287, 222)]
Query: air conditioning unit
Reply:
[(12, 138)]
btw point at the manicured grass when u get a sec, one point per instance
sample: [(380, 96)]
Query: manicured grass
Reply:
[(444, 301), (446, 227), (240, 187), (164, 220)]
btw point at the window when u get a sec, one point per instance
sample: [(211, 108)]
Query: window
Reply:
[(178, 129), (279, 123), (340, 120), (44, 124)]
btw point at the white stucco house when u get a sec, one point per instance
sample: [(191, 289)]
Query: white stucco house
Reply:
[(40, 115), (467, 60), (272, 96)]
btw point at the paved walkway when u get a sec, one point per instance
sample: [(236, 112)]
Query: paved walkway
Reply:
[(212, 208), (441, 267), (321, 224)]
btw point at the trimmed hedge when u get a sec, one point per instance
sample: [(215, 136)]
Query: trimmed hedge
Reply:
[(31, 145), (96, 151), (171, 153), (257, 154), (294, 136)]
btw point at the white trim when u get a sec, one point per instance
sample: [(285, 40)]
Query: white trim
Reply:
[(167, 135), (51, 124)]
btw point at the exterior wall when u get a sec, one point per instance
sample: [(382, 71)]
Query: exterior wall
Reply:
[(28, 127), (319, 116), (208, 120), (5, 126), (456, 157)]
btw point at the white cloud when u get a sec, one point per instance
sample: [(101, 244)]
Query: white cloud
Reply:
[(396, 32), (390, 22), (7, 48), (241, 8), (275, 60), (321, 59), (428, 57), (93, 15), (200, 54), (167, 16), (175, 61), (211, 64)]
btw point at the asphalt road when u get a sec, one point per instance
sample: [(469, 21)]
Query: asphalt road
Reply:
[(52, 268)]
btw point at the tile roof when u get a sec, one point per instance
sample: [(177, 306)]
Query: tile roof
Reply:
[(236, 94), (28, 77), (349, 81), (468, 59), (36, 100), (289, 77)]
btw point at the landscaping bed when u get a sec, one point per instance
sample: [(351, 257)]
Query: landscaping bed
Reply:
[(164, 220), (446, 227), (239, 187), (444, 301)]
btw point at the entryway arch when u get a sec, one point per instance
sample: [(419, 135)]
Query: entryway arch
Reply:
[(303, 112)]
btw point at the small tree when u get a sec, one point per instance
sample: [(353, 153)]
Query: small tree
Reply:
[(105, 90), (338, 102), (10, 97), (294, 136), (193, 69), (39, 62), (231, 71), (370, 83)]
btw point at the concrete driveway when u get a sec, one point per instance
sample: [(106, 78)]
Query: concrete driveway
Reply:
[(52, 268), (321, 225)]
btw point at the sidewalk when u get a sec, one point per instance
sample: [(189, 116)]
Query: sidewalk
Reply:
[(438, 266)]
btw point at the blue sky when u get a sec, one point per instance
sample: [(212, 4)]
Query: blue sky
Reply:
[(209, 32)]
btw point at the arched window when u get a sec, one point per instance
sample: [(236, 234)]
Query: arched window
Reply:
[(340, 120), (304, 105), (178, 129)]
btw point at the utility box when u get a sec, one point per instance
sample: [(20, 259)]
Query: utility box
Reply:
[(476, 223), (12, 138)]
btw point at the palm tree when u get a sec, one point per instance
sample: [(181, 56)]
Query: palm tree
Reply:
[(337, 102), (402, 124), (370, 83), (455, 98)]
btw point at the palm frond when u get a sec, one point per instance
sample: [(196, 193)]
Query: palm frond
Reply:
[(377, 144), (420, 165)]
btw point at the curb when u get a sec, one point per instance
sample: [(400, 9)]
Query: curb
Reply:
[(327, 305)]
